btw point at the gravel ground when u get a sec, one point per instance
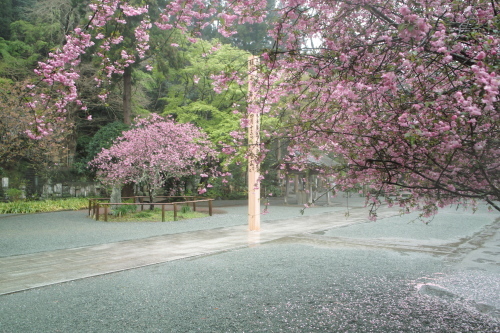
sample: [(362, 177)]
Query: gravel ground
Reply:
[(275, 287), (280, 286), (458, 223), (32, 233), (453, 228)]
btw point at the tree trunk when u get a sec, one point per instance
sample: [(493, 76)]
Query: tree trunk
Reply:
[(127, 95), (116, 196), (152, 195), (128, 190)]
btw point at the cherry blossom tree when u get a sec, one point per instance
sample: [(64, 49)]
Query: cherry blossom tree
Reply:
[(404, 93), (61, 72), (155, 149)]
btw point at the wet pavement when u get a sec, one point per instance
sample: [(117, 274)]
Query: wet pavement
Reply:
[(327, 271), (26, 271)]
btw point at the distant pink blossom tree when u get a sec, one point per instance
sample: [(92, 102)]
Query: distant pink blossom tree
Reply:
[(155, 149)]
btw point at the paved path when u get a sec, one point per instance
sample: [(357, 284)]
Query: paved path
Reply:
[(28, 271)]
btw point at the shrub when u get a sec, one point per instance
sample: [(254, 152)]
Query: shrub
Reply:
[(14, 194), (26, 207)]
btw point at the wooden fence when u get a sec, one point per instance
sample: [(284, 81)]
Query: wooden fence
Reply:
[(96, 204)]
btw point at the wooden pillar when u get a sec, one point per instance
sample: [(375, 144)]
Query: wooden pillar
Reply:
[(254, 148), (278, 157), (287, 186), (329, 194)]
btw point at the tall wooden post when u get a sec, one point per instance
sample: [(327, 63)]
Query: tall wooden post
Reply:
[(254, 148), (287, 186)]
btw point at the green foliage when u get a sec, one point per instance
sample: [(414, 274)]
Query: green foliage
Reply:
[(122, 210), (170, 88), (235, 188), (14, 194), (16, 207), (185, 209), (17, 59), (26, 207), (11, 11), (155, 216), (28, 44), (104, 138), (6, 15), (30, 33), (89, 147), (191, 96), (275, 190), (5, 81), (145, 214)]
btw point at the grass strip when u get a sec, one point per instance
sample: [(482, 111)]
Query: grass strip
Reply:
[(43, 206)]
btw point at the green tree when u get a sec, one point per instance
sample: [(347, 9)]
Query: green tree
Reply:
[(5, 18), (89, 147), (28, 45), (191, 96), (59, 17)]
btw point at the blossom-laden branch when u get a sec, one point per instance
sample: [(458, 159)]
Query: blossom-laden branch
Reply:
[(406, 95)]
